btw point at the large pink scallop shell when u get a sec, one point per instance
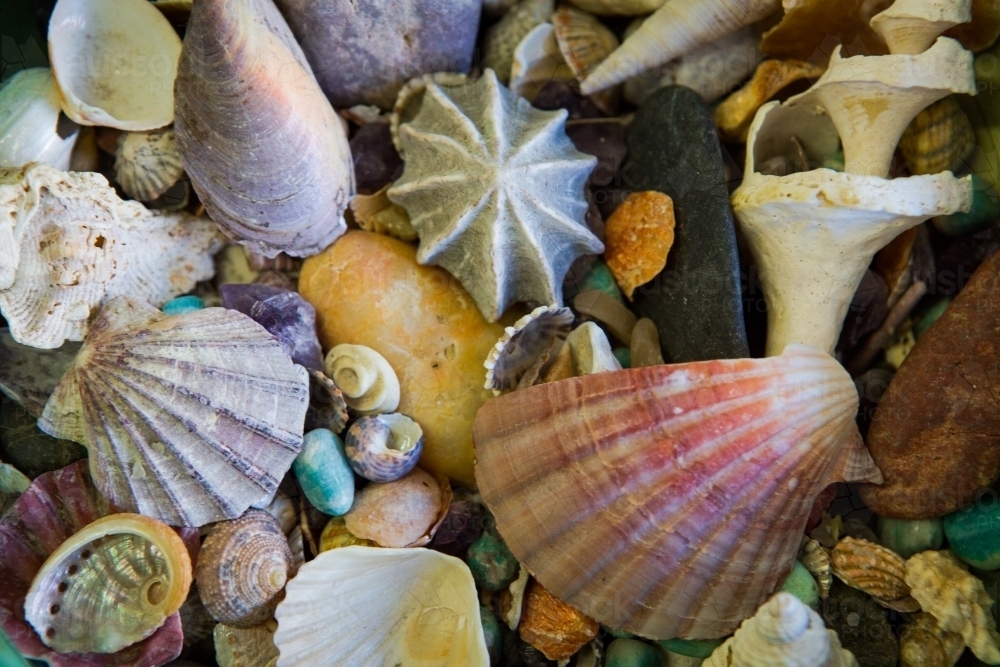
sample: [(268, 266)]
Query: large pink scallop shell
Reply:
[(669, 501), (54, 507)]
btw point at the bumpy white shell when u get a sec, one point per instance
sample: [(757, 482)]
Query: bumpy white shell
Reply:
[(30, 130), (188, 419), (591, 351), (368, 382), (783, 633), (494, 188), (381, 608), (115, 62), (68, 243), (147, 163)]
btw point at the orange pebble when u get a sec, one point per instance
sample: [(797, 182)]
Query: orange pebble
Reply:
[(552, 626), (637, 238)]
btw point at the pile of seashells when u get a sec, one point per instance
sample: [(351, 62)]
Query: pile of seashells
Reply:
[(258, 258)]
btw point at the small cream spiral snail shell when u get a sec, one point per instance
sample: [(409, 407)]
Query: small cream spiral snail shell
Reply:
[(364, 376)]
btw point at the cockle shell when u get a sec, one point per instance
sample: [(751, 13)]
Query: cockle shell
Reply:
[(115, 62), (383, 448), (533, 335), (494, 188), (431, 619), (676, 28), (110, 585), (619, 7), (585, 43), (246, 647), (958, 600), (242, 569), (264, 149), (188, 419), (871, 568), (30, 125), (938, 138), (403, 513), (55, 507), (910, 26), (69, 244), (816, 559), (368, 383), (922, 643), (622, 463), (147, 163), (783, 633)]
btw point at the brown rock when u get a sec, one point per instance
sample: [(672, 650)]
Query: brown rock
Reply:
[(936, 432)]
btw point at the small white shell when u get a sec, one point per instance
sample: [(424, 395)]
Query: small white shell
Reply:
[(30, 130), (147, 163), (337, 611), (383, 448), (910, 26), (591, 350), (369, 384), (115, 62)]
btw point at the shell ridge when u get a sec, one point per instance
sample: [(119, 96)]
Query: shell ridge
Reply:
[(442, 102), (411, 133), (539, 127), (439, 241)]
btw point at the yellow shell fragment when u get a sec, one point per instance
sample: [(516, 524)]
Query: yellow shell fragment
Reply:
[(638, 237)]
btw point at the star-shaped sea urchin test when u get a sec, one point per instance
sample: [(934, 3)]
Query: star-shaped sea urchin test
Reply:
[(494, 188)]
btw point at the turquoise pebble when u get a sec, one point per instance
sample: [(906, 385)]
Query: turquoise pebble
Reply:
[(802, 585), (692, 648), (930, 316), (632, 653), (182, 305), (985, 209), (492, 564), (974, 533), (491, 631), (324, 473), (624, 356), (599, 277), (910, 536)]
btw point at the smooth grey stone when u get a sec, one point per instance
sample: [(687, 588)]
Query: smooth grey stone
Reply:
[(27, 448), (862, 625), (30, 375)]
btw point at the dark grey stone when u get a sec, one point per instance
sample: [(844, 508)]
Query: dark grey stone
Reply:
[(24, 446), (862, 625)]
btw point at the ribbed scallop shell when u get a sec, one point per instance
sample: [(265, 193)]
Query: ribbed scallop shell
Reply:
[(263, 147), (687, 486), (188, 419), (147, 163), (110, 585), (337, 611), (242, 569), (541, 331), (871, 568), (55, 507)]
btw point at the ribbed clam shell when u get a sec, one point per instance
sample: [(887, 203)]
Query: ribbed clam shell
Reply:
[(539, 332), (337, 611), (383, 448), (242, 569), (263, 147), (188, 419), (57, 505), (687, 486), (110, 585), (147, 163), (870, 567)]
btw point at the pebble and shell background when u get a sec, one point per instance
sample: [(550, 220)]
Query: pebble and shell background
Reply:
[(357, 334)]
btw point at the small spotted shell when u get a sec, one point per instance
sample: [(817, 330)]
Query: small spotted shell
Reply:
[(383, 448), (364, 376), (147, 163), (242, 569), (871, 568)]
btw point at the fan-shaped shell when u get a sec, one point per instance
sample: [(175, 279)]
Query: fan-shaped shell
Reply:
[(242, 569), (188, 419), (672, 479), (542, 331), (585, 43), (115, 62), (431, 619), (110, 585), (263, 147), (494, 188), (147, 163), (30, 130), (55, 507)]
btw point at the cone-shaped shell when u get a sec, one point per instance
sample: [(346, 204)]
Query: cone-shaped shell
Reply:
[(688, 486), (188, 419), (56, 506), (30, 128), (430, 619), (261, 143), (676, 28)]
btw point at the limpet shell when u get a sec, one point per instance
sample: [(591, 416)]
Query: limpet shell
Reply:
[(368, 383), (242, 569), (383, 448), (402, 513), (147, 163), (531, 336), (870, 567), (110, 585)]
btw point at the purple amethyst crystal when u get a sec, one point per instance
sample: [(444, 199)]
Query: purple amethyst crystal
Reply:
[(285, 314)]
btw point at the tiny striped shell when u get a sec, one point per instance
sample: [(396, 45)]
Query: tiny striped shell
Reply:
[(242, 569), (383, 448), (870, 567), (816, 559), (938, 138), (147, 163)]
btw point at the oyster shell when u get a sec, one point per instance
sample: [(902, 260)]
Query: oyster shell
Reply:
[(57, 505), (115, 62), (783, 633), (147, 163), (494, 188), (431, 619), (871, 568), (242, 569), (110, 585), (30, 127), (188, 419), (263, 147), (541, 331), (68, 244), (695, 476)]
